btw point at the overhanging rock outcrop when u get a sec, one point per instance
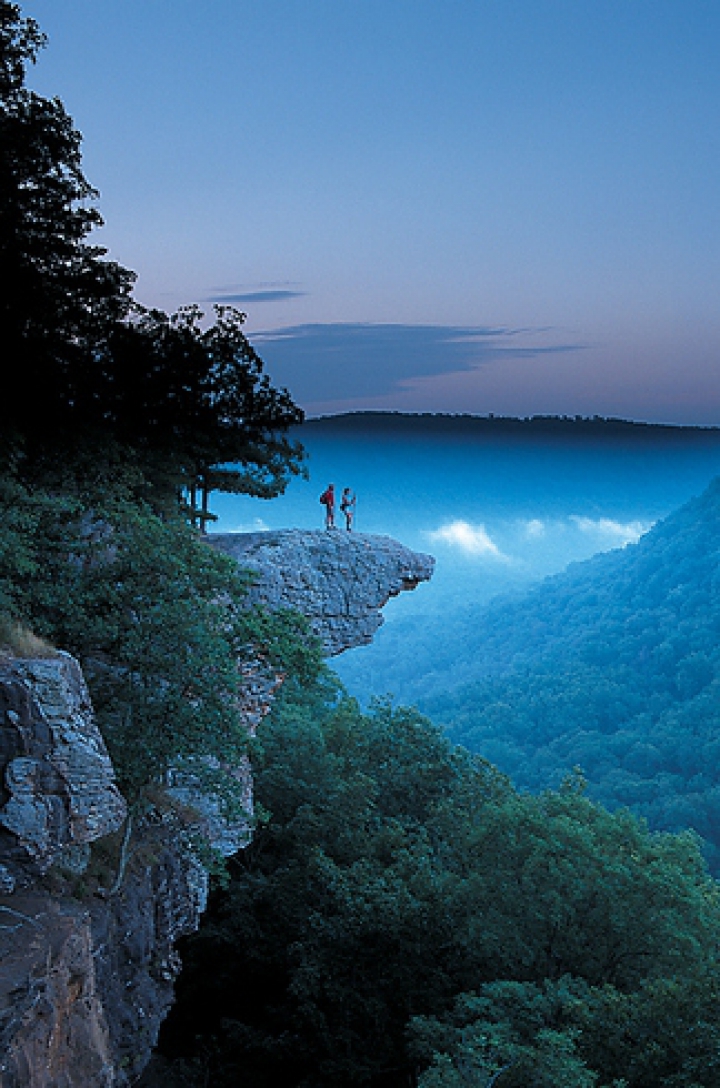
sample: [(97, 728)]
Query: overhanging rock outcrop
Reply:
[(339, 580)]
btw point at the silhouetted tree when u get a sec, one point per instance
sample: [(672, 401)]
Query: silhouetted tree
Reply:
[(196, 400), (59, 295), (94, 373)]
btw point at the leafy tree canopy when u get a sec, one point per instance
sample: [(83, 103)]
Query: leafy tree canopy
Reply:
[(404, 916), (60, 296), (613, 666), (196, 399)]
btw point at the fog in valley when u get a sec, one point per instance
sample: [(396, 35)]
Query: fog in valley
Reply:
[(571, 624), (499, 503)]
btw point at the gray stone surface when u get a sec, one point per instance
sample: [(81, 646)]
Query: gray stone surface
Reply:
[(57, 784), (339, 580)]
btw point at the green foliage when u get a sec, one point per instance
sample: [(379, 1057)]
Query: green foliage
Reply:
[(21, 514), (156, 618), (568, 1033), (282, 640), (404, 916), (115, 411), (509, 1033)]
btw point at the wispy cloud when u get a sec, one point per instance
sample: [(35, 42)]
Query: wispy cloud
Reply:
[(257, 525), (471, 539), (250, 297), (326, 362), (623, 532), (605, 530), (535, 528)]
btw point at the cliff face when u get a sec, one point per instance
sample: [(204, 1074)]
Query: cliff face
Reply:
[(88, 924), (57, 795)]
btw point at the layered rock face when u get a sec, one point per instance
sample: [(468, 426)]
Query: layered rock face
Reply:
[(58, 791), (87, 945), (57, 796)]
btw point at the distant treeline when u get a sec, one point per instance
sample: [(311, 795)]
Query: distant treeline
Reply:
[(439, 424)]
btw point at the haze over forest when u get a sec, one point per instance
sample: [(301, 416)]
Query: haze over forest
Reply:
[(503, 504), (569, 637), (498, 501)]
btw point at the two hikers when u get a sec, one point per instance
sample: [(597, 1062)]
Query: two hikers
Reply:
[(347, 505)]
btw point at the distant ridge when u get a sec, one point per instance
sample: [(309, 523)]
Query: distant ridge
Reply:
[(444, 424)]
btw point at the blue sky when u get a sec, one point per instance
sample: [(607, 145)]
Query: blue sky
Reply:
[(507, 206)]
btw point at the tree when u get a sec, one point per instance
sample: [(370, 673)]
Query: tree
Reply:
[(156, 617), (195, 399), (60, 297)]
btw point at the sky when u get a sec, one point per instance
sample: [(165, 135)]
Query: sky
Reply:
[(484, 206)]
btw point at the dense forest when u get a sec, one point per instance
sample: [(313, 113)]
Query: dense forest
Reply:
[(403, 914), (425, 426)]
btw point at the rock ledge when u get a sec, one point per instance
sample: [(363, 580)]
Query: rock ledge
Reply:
[(339, 580)]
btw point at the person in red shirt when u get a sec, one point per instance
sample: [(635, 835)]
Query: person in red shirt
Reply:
[(328, 500)]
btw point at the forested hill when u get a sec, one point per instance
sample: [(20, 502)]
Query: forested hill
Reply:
[(627, 593), (614, 667)]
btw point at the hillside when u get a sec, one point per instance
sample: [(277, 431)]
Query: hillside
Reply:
[(613, 666)]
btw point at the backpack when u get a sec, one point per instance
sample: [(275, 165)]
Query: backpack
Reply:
[(325, 498)]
